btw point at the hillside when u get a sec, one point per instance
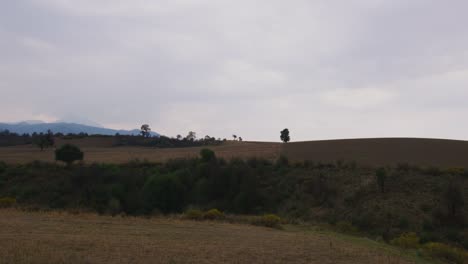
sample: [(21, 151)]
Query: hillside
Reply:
[(370, 152), (382, 151), (383, 204)]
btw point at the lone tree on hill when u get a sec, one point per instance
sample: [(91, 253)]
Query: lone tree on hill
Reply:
[(285, 135), (234, 136), (68, 154), (145, 130), (191, 136)]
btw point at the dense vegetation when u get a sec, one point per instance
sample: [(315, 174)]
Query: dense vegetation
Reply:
[(165, 142), (382, 203), (45, 140)]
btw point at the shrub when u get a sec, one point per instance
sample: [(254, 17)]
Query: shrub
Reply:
[(445, 252), (381, 175), (213, 214), (403, 223), (268, 220), (346, 227), (406, 240), (7, 202), (163, 192), (3, 167), (282, 161), (194, 214), (68, 154), (207, 155), (114, 206)]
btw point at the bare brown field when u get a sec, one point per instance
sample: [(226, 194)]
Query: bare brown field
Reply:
[(382, 151), (372, 152), (55, 237), (25, 154)]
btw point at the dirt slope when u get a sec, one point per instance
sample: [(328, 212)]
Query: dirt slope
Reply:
[(382, 151)]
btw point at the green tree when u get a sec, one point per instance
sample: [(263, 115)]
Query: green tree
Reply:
[(207, 155), (68, 154), (163, 192), (285, 135)]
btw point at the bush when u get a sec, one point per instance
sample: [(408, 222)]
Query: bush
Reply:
[(346, 227), (114, 207), (3, 167), (282, 161), (194, 214), (268, 220), (445, 252), (406, 240), (7, 202), (68, 154), (207, 155), (213, 214), (163, 192)]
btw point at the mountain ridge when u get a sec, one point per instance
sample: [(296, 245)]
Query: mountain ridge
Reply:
[(65, 128)]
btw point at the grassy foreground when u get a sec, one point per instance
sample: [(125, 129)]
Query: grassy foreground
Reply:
[(56, 237)]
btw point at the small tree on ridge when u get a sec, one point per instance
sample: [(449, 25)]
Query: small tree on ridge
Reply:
[(285, 135)]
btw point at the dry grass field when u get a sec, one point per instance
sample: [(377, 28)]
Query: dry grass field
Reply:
[(55, 237), (108, 154), (373, 152)]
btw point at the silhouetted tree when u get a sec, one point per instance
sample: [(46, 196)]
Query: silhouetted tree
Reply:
[(179, 137), (191, 136), (68, 154), (285, 135), (49, 137), (240, 138), (145, 130), (234, 136), (44, 140)]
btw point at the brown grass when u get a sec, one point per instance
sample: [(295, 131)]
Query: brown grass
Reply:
[(54, 237), (24, 154)]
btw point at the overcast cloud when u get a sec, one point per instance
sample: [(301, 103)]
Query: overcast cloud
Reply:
[(324, 68)]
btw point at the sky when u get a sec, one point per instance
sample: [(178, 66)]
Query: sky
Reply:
[(325, 69)]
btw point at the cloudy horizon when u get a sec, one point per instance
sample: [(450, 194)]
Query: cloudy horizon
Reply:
[(323, 69)]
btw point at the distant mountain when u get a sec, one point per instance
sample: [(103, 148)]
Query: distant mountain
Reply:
[(28, 127)]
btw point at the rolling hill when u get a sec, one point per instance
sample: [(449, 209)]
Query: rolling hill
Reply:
[(369, 152), (382, 151)]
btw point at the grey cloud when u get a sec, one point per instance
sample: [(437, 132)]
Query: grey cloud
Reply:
[(326, 69)]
